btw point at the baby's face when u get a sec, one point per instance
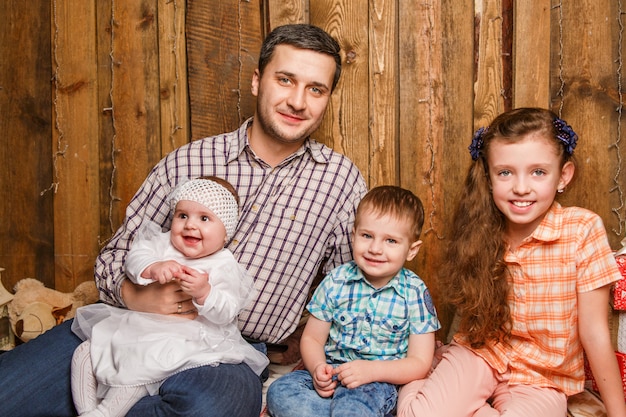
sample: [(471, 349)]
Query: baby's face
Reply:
[(196, 231)]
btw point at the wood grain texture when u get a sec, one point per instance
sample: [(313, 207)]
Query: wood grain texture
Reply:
[(27, 229), (488, 100), (346, 123), (75, 142), (223, 42), (584, 94), (173, 93), (531, 53), (383, 93)]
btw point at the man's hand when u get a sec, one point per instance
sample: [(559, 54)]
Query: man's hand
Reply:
[(160, 299)]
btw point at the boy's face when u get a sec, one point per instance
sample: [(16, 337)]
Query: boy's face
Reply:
[(381, 246), (196, 231)]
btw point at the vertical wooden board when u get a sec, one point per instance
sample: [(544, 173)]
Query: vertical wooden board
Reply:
[(589, 75), (111, 211), (488, 102), (421, 126), (283, 12), (223, 42), (135, 95), (26, 232), (174, 103), (458, 74), (345, 125), (531, 54), (75, 142), (383, 97)]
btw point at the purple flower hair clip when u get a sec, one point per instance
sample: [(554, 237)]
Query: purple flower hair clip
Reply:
[(566, 135), (477, 143)]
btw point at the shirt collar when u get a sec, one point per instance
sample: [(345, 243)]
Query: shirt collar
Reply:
[(550, 227), (320, 153), (395, 282)]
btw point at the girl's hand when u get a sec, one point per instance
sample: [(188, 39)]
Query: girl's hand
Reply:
[(194, 283), (323, 380)]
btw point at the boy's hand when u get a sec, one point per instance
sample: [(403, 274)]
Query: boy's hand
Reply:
[(354, 374), (323, 380)]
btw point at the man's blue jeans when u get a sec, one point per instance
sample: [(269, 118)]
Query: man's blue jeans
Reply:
[(294, 395), (35, 381)]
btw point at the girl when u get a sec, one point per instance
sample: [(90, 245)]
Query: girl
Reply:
[(530, 280)]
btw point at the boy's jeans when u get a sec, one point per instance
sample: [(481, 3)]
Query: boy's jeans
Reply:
[(294, 395)]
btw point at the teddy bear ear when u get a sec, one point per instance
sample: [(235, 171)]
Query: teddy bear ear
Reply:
[(59, 313)]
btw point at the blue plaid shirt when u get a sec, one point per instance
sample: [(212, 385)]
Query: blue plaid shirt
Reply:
[(372, 323), (295, 217)]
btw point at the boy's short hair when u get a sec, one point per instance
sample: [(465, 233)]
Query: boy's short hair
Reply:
[(397, 202)]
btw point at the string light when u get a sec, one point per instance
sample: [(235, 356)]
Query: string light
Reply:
[(55, 104), (617, 188)]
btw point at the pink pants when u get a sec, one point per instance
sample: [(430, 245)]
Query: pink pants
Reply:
[(463, 382)]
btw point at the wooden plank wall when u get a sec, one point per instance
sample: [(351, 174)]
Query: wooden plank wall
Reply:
[(94, 93)]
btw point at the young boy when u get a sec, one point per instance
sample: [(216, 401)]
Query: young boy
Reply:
[(372, 321)]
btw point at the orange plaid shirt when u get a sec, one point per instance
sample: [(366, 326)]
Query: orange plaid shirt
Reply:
[(567, 254)]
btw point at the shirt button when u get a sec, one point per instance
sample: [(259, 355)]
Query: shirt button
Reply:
[(255, 208)]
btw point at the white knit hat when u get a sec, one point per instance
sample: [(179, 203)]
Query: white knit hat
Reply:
[(213, 196)]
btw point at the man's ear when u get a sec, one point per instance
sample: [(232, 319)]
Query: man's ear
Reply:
[(256, 79), (413, 249)]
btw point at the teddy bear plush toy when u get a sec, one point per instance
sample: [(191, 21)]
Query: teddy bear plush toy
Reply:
[(36, 308)]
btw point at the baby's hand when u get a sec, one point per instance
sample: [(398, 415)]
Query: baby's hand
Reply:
[(194, 283), (163, 272)]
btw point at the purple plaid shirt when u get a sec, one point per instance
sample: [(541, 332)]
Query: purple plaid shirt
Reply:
[(294, 217)]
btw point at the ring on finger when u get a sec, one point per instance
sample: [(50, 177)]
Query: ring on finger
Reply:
[(180, 308)]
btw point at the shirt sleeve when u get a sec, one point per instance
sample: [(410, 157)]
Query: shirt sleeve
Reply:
[(339, 249), (232, 288), (151, 203), (147, 248), (423, 316), (596, 265)]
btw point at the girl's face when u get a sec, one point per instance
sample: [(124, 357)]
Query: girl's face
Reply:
[(525, 176), (381, 245), (196, 231)]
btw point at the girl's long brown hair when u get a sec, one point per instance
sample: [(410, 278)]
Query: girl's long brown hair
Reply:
[(474, 273)]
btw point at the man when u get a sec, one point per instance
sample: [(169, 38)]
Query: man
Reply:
[(298, 201)]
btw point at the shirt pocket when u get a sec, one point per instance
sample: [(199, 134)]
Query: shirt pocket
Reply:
[(349, 329), (391, 331)]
